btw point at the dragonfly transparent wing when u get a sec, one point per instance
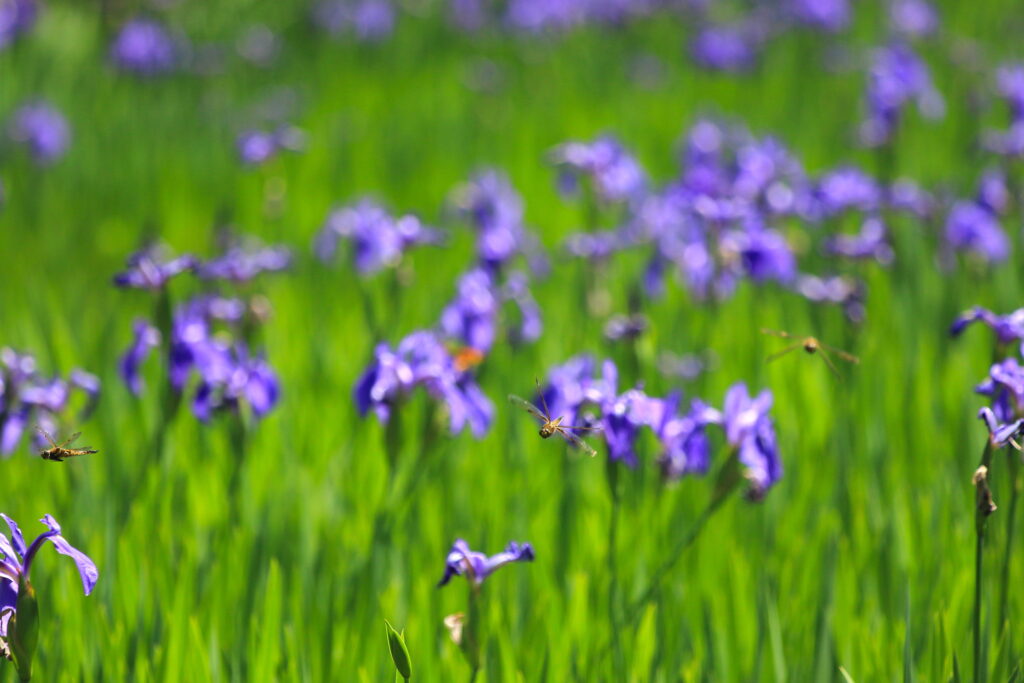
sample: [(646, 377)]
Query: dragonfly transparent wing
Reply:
[(528, 407), (776, 333), (848, 357), (46, 436), (783, 352), (71, 439), (578, 442)]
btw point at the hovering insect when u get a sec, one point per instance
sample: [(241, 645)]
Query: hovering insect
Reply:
[(555, 426), (58, 453), (810, 345)]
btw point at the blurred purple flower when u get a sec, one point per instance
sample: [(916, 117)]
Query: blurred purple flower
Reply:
[(763, 254), (749, 428), (495, 209), (914, 18), (906, 195), (144, 47), (594, 246), (231, 378), (151, 267), (993, 192), (243, 260), (476, 567), (517, 290), (973, 227), (837, 289), (43, 130), (621, 327), (872, 242), (683, 438), (1010, 85), (258, 45), (256, 147), (145, 339), (473, 316), (847, 188), (369, 20), (897, 76), (615, 173), (828, 15), (724, 47), (379, 240), (1008, 143), (1007, 327), (17, 17)]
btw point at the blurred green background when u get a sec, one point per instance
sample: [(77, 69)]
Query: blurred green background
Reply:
[(861, 558)]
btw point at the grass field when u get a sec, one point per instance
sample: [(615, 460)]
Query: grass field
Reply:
[(277, 553)]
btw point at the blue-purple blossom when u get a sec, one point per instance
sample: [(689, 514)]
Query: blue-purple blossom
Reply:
[(144, 47), (244, 260), (42, 129), (1010, 85), (762, 254), (422, 360), (145, 338), (973, 227), (749, 428), (17, 17), (828, 15), (683, 438), (993, 192), (151, 267), (256, 147), (229, 378), (614, 172), (724, 47), (999, 434), (1005, 387), (847, 189), (1007, 327), (914, 18), (379, 240), (907, 195), (872, 242), (369, 20), (897, 76), (476, 567), (473, 316)]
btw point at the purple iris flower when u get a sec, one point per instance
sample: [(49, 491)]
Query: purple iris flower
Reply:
[(897, 76), (231, 377), (370, 20), (1009, 143), (43, 130), (763, 253), (16, 565), (999, 434), (993, 192), (17, 17), (379, 240), (621, 327), (871, 243), (621, 419), (615, 173), (1010, 84), (914, 18), (1005, 386), (1007, 327), (422, 360), (144, 47), (145, 338), (256, 147), (724, 48), (517, 290), (472, 317), (683, 438), (569, 386), (828, 15), (749, 428), (535, 16), (243, 261), (476, 567), (845, 189), (151, 267), (973, 227), (906, 195)]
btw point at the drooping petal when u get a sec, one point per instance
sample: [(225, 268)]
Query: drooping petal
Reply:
[(86, 567)]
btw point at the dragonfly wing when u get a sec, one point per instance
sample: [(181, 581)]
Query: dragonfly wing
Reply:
[(578, 442), (46, 436), (527, 406), (829, 363), (71, 439), (848, 357), (783, 352), (776, 333)]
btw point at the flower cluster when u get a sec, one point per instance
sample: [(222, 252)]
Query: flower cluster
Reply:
[(378, 239), (28, 398), (897, 76), (145, 48), (421, 359), (973, 226), (209, 335), (256, 147), (574, 389), (369, 20)]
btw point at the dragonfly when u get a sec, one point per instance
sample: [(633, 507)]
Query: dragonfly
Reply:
[(58, 453), (550, 426), (811, 345)]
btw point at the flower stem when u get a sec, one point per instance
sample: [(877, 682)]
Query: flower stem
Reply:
[(1015, 486), (983, 508), (612, 471)]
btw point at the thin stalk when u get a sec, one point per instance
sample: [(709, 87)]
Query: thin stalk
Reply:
[(612, 471), (983, 508), (1011, 517)]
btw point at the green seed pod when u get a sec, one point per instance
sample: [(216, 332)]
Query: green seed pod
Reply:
[(24, 629), (399, 652)]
